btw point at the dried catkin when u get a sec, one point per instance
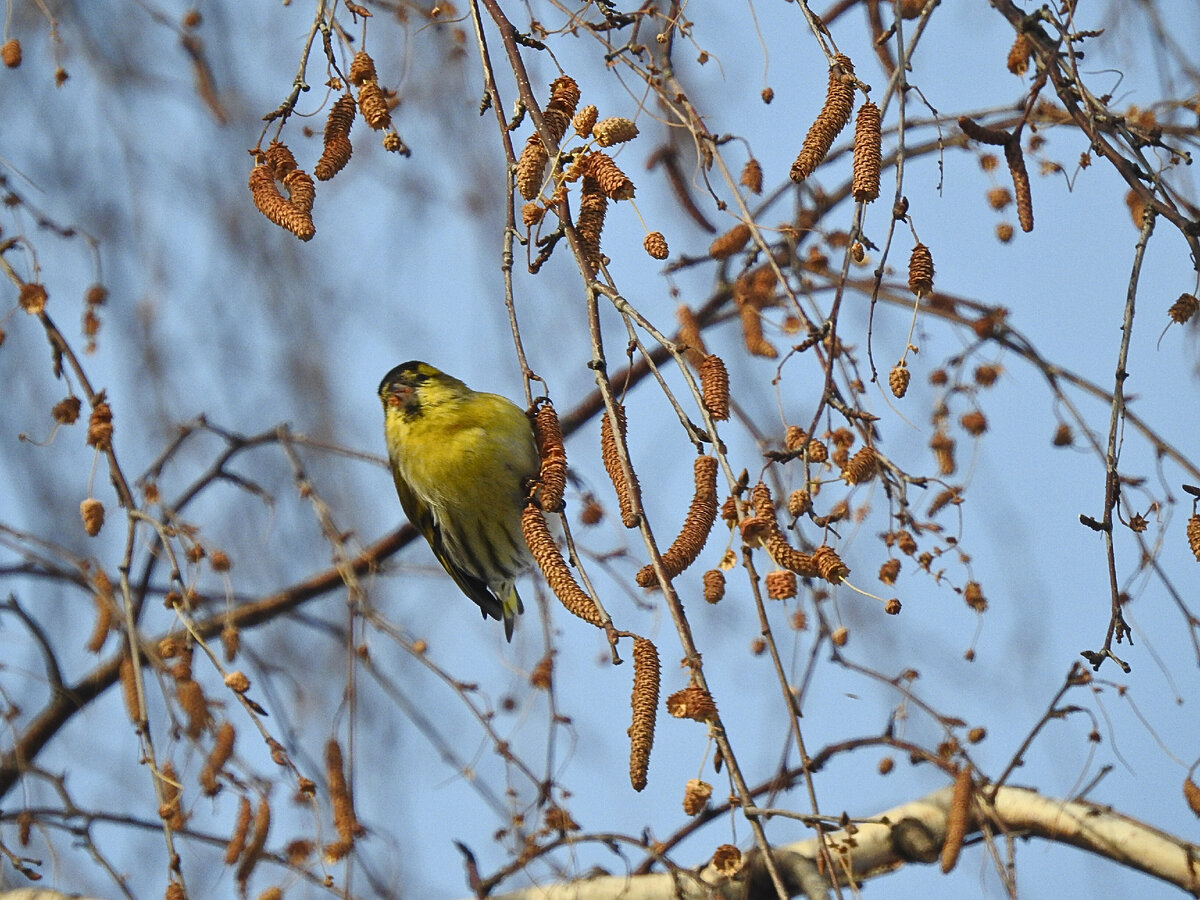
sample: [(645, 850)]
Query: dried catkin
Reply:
[(656, 245), (1193, 535), (752, 333), (614, 130), (942, 446), (920, 270), (254, 847), (550, 560), (752, 176), (689, 335), (344, 818), (730, 242), (696, 527), (608, 175), (104, 614), (889, 570), (553, 475), (645, 708), (337, 148), (868, 153), (1019, 54), (272, 204), (714, 387), (217, 757), (170, 810), (764, 528), (241, 829), (589, 223), (611, 457), (957, 818), (1020, 176), (839, 100), (32, 298), (129, 690), (898, 379)]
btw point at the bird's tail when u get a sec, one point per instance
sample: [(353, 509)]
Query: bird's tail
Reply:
[(511, 606)]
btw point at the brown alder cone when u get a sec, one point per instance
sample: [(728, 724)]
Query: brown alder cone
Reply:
[(91, 511), (612, 464), (752, 176), (614, 130), (100, 427), (898, 379), (730, 242), (714, 585), (696, 526), (1020, 176), (957, 818), (781, 584), (362, 68), (714, 387), (337, 148), (920, 270), (695, 796), (608, 175), (531, 167), (550, 560), (553, 475), (373, 105), (868, 153), (1193, 535), (861, 467), (32, 298), (656, 245), (839, 101), (10, 53), (273, 205), (1191, 794), (889, 570), (645, 709), (585, 120), (589, 222), (829, 565)]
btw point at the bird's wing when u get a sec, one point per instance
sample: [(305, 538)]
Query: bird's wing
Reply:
[(423, 518)]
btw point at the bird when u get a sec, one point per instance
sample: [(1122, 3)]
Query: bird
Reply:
[(463, 461)]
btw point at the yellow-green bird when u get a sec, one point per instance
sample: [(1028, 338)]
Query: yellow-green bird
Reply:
[(462, 461)]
